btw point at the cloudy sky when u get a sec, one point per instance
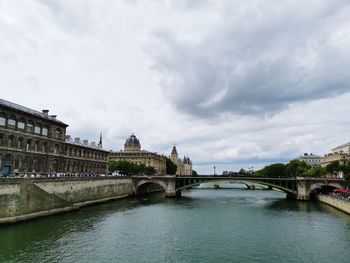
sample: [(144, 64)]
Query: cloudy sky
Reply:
[(232, 83)]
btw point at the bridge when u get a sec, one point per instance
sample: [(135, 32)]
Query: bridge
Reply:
[(297, 188)]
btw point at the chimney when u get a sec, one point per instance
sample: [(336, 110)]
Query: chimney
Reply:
[(86, 142), (45, 113), (77, 139), (68, 137), (53, 116), (93, 144)]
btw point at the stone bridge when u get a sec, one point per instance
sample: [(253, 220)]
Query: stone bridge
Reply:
[(298, 188)]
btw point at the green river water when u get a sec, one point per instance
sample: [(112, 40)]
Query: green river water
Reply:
[(204, 225)]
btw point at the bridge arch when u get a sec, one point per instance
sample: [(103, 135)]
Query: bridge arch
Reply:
[(148, 186), (289, 188)]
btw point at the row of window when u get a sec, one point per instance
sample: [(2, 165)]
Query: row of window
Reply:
[(37, 164), (29, 126), (42, 147)]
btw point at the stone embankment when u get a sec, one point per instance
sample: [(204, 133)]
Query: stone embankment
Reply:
[(26, 198), (335, 202)]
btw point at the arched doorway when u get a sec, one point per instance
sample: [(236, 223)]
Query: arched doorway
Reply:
[(7, 163)]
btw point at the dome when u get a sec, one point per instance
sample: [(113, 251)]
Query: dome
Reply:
[(132, 144)]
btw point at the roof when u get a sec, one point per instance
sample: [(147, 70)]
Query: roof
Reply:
[(69, 141), (341, 146), (32, 112), (132, 140)]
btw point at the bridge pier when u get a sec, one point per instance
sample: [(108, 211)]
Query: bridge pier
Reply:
[(303, 190), (170, 190)]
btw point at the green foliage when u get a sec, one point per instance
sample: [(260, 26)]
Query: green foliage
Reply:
[(273, 170), (315, 172), (170, 167), (346, 170), (333, 167), (194, 173), (149, 170), (128, 168), (292, 169)]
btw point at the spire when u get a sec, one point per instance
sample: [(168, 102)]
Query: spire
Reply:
[(100, 143)]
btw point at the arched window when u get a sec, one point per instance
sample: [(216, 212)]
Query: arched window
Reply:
[(56, 149), (1, 139), (58, 133), (30, 126), (2, 119), (20, 143), (44, 147), (36, 146), (28, 145), (37, 128), (21, 124), (11, 122), (44, 131), (10, 141)]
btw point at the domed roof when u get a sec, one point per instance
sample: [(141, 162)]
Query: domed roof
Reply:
[(132, 140)]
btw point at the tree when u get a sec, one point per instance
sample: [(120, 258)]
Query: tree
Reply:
[(315, 172), (149, 170), (112, 166), (276, 170), (170, 167), (333, 167), (194, 173), (296, 168)]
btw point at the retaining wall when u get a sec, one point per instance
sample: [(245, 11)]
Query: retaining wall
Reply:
[(339, 204), (25, 198)]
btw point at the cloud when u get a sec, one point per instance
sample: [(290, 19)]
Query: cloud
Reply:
[(255, 58), (232, 83)]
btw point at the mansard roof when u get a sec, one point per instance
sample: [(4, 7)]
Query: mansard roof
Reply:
[(34, 113)]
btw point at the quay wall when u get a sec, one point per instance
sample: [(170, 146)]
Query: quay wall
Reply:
[(26, 198), (336, 203)]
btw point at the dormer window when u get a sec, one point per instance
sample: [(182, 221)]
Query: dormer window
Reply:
[(2, 119), (37, 128), (11, 123), (21, 124), (44, 131), (58, 133), (30, 126)]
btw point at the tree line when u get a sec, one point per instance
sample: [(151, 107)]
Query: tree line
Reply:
[(129, 168), (299, 168)]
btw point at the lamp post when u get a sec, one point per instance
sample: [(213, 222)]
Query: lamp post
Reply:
[(214, 170)]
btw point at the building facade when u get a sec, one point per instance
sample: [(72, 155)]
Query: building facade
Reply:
[(311, 159), (134, 154), (184, 167), (36, 142)]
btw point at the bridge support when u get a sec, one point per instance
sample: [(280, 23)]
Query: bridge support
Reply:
[(303, 191), (170, 191)]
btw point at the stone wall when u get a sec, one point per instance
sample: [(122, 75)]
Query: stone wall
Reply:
[(22, 199), (339, 204)]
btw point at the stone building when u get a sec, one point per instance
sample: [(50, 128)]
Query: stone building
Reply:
[(36, 142), (134, 154), (340, 153), (311, 159), (184, 167)]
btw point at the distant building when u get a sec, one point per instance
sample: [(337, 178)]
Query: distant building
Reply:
[(311, 159), (340, 153), (184, 167), (36, 142), (134, 154), (342, 149)]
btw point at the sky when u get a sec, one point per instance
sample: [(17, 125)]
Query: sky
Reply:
[(233, 83)]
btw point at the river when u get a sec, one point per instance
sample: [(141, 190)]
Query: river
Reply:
[(204, 225)]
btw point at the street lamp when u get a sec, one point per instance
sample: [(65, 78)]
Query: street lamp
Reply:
[(214, 170)]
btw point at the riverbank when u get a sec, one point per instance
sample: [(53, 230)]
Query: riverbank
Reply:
[(28, 198), (342, 205)]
